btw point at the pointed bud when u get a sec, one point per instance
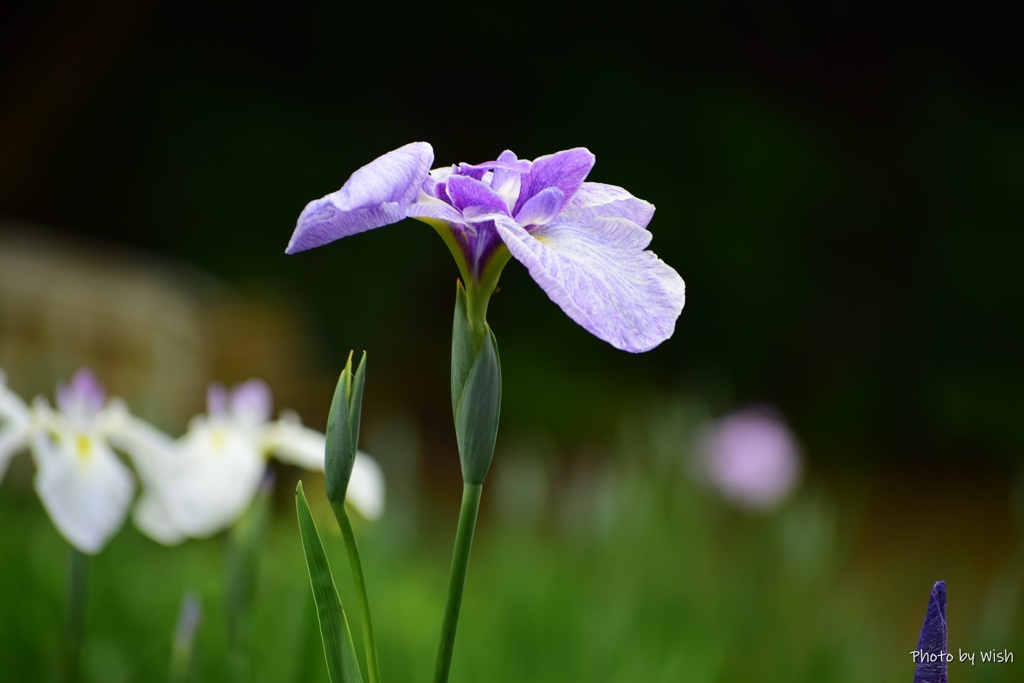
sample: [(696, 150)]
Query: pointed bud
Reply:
[(476, 391), (343, 430), (932, 652)]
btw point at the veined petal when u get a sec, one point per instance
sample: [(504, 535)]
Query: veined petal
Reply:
[(366, 487), (466, 192), (564, 170), (429, 207), (375, 195), (506, 161), (594, 200), (600, 275), (541, 207), (85, 489), (482, 214)]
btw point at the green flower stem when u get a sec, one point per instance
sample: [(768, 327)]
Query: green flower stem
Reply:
[(76, 615), (457, 579), (341, 514)]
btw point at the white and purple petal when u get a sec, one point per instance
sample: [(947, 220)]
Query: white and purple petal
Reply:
[(251, 403), (594, 200), (541, 208), (467, 192), (84, 487), (211, 476), (81, 400), (435, 209), (377, 194), (602, 277), (565, 170)]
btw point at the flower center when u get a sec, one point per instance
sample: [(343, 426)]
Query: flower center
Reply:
[(83, 448)]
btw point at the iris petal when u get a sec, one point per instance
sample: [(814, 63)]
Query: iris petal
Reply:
[(251, 403), (213, 474), (597, 199), (14, 424), (375, 195), (85, 489), (541, 207), (564, 170), (466, 192), (600, 275), (436, 209)]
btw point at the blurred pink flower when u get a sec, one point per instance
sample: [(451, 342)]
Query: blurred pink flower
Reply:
[(751, 457)]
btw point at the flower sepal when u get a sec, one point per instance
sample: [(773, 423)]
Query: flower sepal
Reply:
[(476, 389)]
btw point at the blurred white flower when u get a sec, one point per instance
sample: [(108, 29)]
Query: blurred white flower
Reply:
[(85, 488), (750, 457), (14, 424), (207, 478)]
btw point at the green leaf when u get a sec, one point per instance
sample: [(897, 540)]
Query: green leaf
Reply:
[(342, 665)]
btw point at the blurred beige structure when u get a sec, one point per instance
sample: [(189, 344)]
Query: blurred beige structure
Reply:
[(155, 331)]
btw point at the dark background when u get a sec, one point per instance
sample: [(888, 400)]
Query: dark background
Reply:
[(840, 187)]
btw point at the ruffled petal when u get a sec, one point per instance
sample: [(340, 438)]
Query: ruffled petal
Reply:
[(506, 161), (564, 170), (466, 192), (435, 209), (594, 200), (541, 208), (375, 195), (600, 275), (85, 489)]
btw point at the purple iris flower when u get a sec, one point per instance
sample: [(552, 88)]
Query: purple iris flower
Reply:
[(931, 647), (584, 243)]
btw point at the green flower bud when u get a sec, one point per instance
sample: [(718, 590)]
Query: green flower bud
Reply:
[(476, 390), (343, 430)]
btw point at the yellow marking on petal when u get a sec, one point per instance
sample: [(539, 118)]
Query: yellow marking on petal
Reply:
[(83, 447), (219, 439)]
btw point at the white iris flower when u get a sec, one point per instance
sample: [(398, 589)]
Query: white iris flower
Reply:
[(14, 424), (85, 488), (204, 481)]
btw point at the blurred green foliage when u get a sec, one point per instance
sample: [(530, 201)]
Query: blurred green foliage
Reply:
[(629, 572)]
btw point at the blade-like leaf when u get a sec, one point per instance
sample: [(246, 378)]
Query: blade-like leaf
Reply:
[(342, 665)]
